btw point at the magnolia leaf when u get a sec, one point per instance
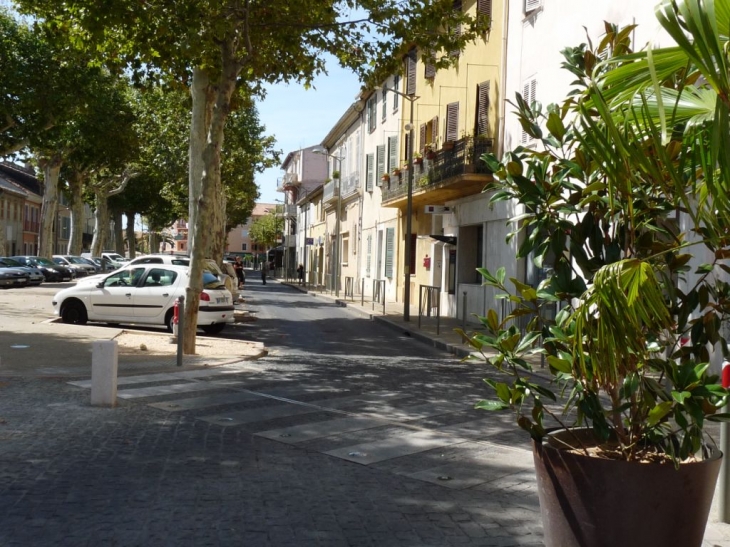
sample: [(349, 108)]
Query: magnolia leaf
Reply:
[(658, 413), (491, 405)]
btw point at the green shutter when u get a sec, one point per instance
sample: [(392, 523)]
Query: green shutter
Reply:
[(369, 255), (389, 248), (380, 164), (369, 174)]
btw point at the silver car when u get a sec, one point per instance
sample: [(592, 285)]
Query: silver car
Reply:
[(35, 276)]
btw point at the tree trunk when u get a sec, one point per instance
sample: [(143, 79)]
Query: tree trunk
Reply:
[(118, 232), (101, 222), (51, 168), (131, 237), (220, 236), (75, 241), (202, 97), (209, 200)]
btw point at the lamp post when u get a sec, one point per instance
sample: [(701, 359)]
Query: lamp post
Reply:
[(409, 207), (336, 273)]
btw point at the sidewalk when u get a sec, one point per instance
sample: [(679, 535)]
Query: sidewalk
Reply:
[(437, 332), (443, 337)]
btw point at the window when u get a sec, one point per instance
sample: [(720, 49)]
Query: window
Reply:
[(429, 134), (481, 124), (244, 246), (389, 247), (372, 122), (379, 164), (392, 153), (411, 62), (452, 122), (396, 86), (369, 172), (345, 249), (529, 94), (385, 103)]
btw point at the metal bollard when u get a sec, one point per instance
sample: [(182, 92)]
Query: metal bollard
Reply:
[(180, 307)]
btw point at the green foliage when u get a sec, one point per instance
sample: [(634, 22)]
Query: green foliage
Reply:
[(602, 201), (266, 230)]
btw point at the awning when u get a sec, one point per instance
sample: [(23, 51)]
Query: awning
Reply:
[(449, 240)]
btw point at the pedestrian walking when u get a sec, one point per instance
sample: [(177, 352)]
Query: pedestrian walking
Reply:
[(300, 273), (238, 268), (264, 271)]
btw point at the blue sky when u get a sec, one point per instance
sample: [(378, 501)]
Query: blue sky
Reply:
[(300, 117)]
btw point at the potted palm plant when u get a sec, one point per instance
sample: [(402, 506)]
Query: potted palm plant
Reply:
[(625, 213)]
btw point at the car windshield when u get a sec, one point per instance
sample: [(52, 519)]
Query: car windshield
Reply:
[(114, 256), (10, 262), (42, 261), (76, 260)]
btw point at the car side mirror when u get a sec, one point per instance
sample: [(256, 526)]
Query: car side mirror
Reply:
[(100, 285)]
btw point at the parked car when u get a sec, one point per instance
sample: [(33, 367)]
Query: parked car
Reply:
[(53, 272), (108, 260), (13, 277), (35, 276), (144, 294), (77, 265), (97, 267), (173, 260), (230, 280)]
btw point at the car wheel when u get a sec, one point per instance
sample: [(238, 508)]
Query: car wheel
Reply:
[(215, 328), (168, 321), (74, 313)]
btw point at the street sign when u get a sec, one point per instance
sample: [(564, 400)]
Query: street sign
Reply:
[(309, 241)]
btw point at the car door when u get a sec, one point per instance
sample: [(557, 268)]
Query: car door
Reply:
[(155, 294), (114, 300)]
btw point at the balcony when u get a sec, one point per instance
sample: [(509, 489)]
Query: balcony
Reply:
[(450, 174), (290, 179), (290, 210), (330, 191)]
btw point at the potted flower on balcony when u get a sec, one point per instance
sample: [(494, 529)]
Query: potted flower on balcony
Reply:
[(396, 171), (629, 220), (430, 151), (385, 177), (417, 158)]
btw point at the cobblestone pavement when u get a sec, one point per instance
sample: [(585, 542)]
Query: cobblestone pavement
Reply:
[(255, 471)]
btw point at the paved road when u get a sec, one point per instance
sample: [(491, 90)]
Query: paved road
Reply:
[(347, 434)]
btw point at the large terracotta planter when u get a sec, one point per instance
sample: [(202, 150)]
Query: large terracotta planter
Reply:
[(592, 502)]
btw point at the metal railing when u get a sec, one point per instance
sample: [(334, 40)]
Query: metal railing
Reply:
[(350, 287), (429, 298), (464, 157)]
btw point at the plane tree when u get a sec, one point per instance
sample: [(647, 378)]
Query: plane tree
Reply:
[(218, 47)]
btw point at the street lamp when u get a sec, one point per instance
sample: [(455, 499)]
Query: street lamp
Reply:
[(409, 205), (336, 275)]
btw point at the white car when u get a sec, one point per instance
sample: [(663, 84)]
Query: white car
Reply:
[(145, 294)]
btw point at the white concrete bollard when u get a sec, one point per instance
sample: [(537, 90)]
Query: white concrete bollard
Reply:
[(104, 365)]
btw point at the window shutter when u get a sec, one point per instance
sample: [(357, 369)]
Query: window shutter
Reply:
[(411, 72), (389, 242), (380, 164), (396, 86), (484, 8), (369, 174), (372, 122), (385, 102), (532, 5), (429, 71), (368, 258), (482, 121), (452, 121), (435, 130), (529, 92), (422, 138), (392, 153)]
